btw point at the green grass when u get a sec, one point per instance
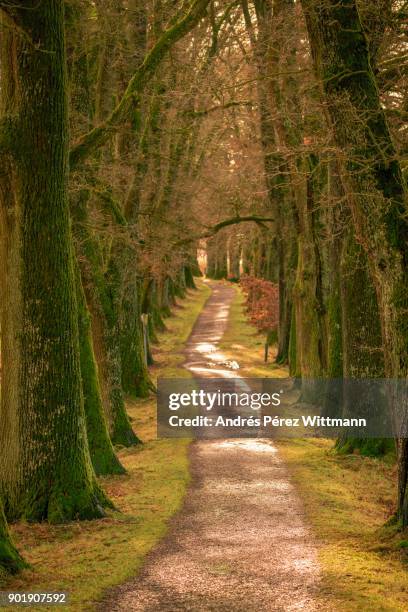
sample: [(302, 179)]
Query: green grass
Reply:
[(242, 342), (168, 353), (348, 500), (86, 558)]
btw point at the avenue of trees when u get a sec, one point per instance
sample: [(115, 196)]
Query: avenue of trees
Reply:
[(131, 132)]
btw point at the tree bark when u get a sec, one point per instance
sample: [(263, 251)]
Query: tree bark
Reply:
[(307, 299), (373, 174), (10, 560), (363, 355), (45, 466), (102, 452), (94, 386), (104, 297), (334, 224), (135, 378), (275, 168)]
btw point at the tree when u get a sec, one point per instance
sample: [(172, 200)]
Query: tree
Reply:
[(373, 176), (46, 471)]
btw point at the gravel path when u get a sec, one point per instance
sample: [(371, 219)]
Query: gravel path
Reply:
[(240, 542)]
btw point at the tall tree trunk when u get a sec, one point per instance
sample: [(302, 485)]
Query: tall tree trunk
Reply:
[(135, 377), (334, 224), (307, 296), (276, 19), (119, 424), (103, 298), (363, 356), (373, 176), (45, 466), (287, 254), (102, 452), (275, 170)]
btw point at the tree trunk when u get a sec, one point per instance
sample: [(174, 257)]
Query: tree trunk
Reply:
[(293, 352), (188, 275), (287, 253), (102, 452), (217, 257), (334, 224), (103, 293), (307, 298), (281, 129), (10, 560), (373, 176), (363, 356), (120, 426), (45, 466), (135, 377)]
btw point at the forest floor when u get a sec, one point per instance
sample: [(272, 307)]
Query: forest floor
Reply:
[(255, 523)]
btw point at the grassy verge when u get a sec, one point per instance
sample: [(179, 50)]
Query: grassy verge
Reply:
[(347, 501), (242, 342), (86, 558)]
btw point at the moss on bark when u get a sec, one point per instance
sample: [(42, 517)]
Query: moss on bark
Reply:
[(363, 355), (135, 377), (103, 296), (45, 466), (101, 449), (10, 560), (342, 60)]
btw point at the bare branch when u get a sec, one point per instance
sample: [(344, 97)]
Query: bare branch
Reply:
[(233, 103), (214, 229), (100, 134)]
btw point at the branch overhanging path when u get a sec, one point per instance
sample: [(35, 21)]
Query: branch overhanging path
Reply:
[(212, 230)]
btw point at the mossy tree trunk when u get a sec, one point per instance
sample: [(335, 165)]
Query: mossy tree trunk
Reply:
[(217, 258), (102, 452), (100, 381), (109, 304), (102, 297), (188, 275), (166, 297), (45, 466), (135, 378), (10, 560), (293, 352), (307, 294), (287, 253), (333, 214), (275, 170), (277, 22), (373, 176), (363, 355)]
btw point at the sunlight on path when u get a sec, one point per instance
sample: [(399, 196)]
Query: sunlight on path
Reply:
[(240, 542)]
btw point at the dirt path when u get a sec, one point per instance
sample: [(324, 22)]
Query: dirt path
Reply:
[(240, 542)]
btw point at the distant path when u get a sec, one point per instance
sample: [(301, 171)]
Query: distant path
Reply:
[(240, 543)]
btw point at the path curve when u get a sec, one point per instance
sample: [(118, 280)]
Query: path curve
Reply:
[(240, 542)]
